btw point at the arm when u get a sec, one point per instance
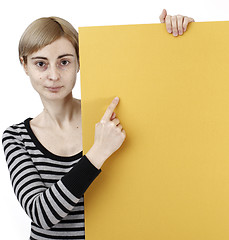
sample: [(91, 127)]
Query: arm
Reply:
[(175, 24), (45, 206)]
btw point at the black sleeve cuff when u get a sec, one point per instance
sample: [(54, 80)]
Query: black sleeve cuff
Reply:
[(79, 178)]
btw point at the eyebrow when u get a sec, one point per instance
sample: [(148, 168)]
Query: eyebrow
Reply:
[(61, 56)]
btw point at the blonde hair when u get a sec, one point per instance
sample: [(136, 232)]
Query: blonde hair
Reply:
[(43, 32)]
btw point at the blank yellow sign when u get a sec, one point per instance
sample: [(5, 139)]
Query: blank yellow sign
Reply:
[(170, 179)]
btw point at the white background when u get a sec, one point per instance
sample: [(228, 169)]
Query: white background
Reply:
[(18, 99)]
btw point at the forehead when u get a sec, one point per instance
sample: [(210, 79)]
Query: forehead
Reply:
[(59, 47)]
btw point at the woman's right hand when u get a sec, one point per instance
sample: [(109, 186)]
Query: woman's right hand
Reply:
[(109, 136)]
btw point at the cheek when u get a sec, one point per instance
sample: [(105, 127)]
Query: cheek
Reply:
[(72, 81), (36, 79), (71, 76)]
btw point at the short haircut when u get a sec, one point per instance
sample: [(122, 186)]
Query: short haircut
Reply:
[(43, 32)]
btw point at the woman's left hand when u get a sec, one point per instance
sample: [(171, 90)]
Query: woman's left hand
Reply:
[(175, 24)]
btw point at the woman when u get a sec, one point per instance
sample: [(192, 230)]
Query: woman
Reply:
[(44, 154)]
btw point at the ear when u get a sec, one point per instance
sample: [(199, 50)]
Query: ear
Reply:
[(24, 65)]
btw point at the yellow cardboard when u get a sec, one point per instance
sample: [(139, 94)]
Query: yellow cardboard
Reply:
[(170, 179)]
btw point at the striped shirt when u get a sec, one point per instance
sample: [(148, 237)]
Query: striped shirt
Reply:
[(49, 187)]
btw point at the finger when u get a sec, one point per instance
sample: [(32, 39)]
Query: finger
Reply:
[(163, 16), (187, 20), (174, 26), (119, 126), (168, 23), (180, 24), (124, 133), (113, 116), (107, 115), (116, 121)]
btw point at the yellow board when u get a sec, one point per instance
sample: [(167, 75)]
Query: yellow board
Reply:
[(170, 179)]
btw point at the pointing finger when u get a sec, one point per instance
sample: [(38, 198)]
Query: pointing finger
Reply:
[(107, 115)]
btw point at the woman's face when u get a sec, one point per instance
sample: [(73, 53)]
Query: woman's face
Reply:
[(53, 69)]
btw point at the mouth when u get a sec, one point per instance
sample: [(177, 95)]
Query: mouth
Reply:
[(54, 89)]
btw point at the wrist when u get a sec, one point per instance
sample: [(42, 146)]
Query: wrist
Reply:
[(96, 156)]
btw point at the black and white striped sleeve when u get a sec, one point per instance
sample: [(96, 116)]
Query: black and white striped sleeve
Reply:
[(45, 206)]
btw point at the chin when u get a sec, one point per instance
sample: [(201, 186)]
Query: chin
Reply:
[(56, 95)]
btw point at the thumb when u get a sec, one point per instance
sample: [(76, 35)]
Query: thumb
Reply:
[(163, 16)]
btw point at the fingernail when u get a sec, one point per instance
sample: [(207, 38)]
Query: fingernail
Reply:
[(117, 98), (174, 34)]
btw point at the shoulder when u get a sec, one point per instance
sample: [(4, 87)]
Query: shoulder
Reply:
[(77, 102), (14, 132)]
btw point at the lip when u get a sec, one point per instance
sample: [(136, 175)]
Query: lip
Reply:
[(54, 89)]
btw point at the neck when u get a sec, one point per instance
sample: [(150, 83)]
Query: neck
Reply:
[(61, 112)]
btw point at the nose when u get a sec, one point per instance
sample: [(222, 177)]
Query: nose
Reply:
[(53, 73)]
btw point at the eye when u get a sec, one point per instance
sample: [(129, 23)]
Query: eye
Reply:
[(64, 62), (40, 64)]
